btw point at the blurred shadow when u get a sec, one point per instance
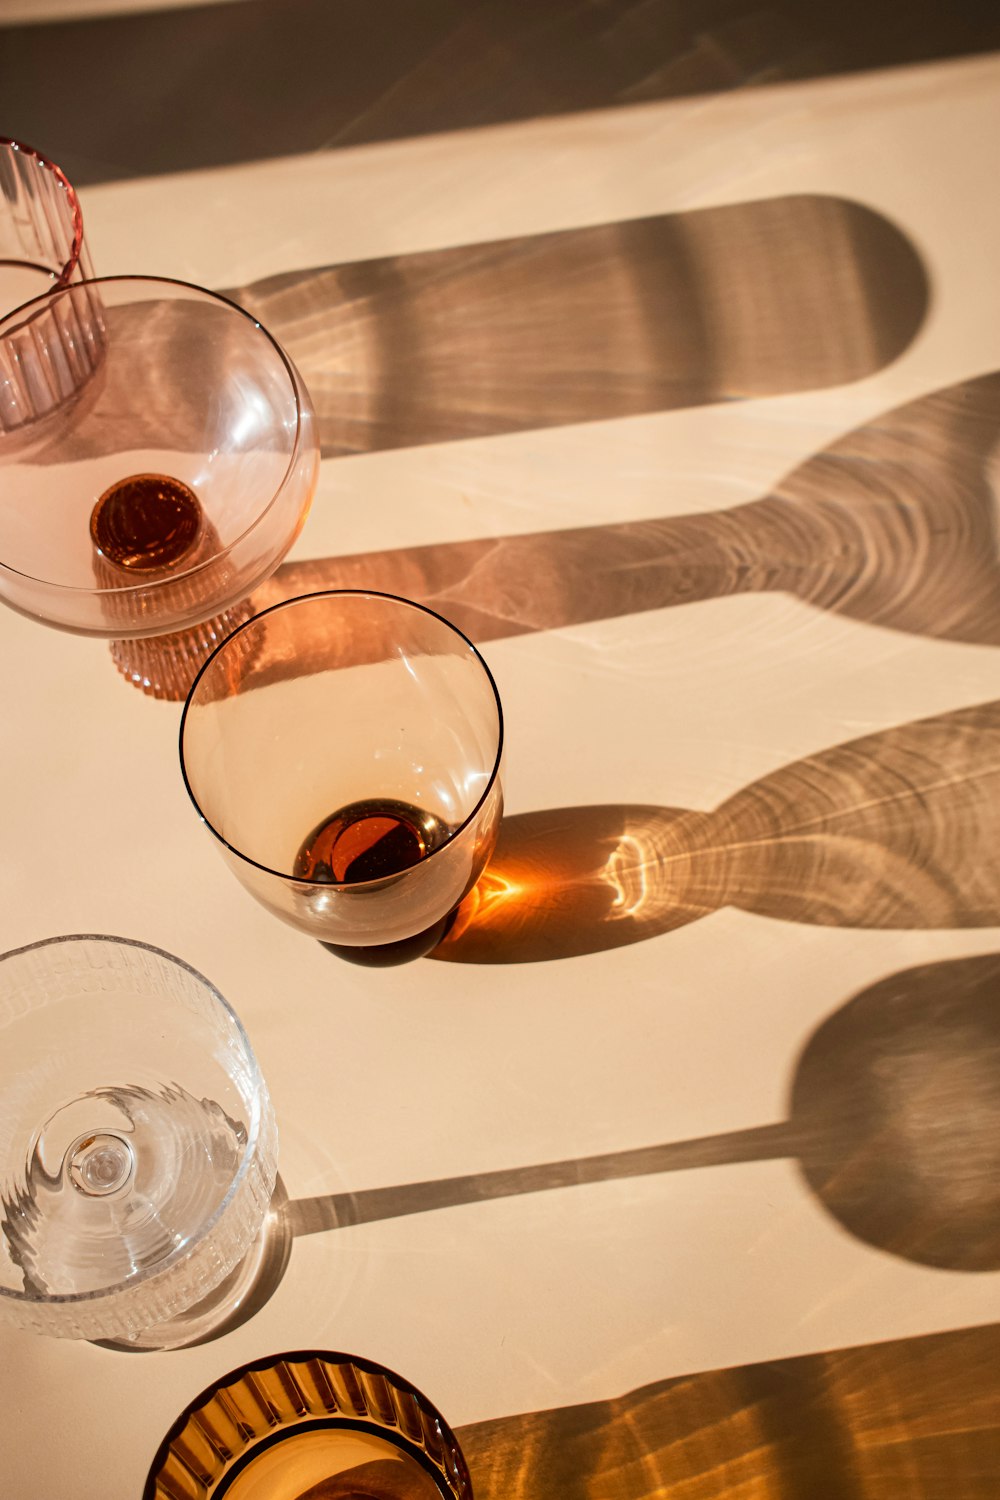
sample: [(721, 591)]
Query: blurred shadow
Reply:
[(918, 1417), (223, 83), (747, 300), (896, 830), (892, 1121), (895, 1100), (894, 524)]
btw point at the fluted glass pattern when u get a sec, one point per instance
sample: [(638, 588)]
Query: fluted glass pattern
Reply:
[(310, 1422)]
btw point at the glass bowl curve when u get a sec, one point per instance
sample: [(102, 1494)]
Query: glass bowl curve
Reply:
[(339, 700), (188, 385)]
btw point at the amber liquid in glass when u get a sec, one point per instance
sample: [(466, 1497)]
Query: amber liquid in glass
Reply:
[(368, 840), (334, 1465), (146, 522)]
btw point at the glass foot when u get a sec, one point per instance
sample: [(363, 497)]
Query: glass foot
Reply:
[(164, 666), (247, 1288), (387, 955)]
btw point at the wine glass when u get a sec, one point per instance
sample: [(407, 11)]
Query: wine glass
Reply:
[(147, 509), (60, 344), (306, 1424), (138, 1145), (344, 748)]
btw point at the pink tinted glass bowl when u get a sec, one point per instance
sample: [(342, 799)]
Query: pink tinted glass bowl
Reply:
[(190, 390)]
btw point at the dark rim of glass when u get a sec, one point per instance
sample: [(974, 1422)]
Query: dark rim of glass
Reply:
[(358, 885)]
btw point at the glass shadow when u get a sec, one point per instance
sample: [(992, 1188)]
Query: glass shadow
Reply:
[(913, 1417), (894, 524), (892, 1108), (896, 830), (891, 1112), (613, 320)]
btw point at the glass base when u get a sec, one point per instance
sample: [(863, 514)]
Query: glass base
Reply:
[(387, 955), (165, 666), (234, 1301)]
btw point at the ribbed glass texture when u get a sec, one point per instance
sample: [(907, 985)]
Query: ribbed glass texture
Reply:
[(305, 1424), (50, 351)]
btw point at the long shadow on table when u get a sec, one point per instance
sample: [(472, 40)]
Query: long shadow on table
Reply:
[(645, 315), (899, 829), (892, 1112), (915, 1417), (891, 1121), (682, 310), (894, 524)]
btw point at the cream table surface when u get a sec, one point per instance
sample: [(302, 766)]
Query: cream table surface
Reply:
[(555, 1298)]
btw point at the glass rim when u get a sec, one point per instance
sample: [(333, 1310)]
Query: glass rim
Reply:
[(40, 305), (332, 885), (76, 245), (294, 1357), (254, 1133)]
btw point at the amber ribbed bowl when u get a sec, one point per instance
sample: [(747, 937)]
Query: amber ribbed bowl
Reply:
[(310, 1425)]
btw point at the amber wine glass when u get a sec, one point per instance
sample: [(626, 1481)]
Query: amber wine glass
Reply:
[(149, 507), (310, 1425), (138, 1147), (344, 749)]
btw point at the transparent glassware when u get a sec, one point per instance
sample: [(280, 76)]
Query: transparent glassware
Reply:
[(58, 345), (138, 1146), (344, 748), (147, 509), (306, 1425)]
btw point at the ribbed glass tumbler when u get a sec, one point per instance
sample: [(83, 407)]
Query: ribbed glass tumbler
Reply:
[(138, 1147), (54, 347), (310, 1425)]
